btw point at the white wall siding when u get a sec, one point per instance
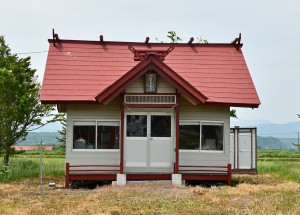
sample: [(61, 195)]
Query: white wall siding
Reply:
[(189, 111), (112, 111), (91, 112)]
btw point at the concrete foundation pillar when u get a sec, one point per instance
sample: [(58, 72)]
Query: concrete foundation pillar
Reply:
[(121, 179), (176, 179)]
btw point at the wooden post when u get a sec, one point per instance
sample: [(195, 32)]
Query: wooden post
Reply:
[(122, 137), (176, 170), (191, 40), (67, 179), (229, 179)]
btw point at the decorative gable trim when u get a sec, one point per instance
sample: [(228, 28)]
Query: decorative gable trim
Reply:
[(151, 62), (139, 55), (150, 99)]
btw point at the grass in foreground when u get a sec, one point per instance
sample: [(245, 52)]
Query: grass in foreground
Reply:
[(277, 198)]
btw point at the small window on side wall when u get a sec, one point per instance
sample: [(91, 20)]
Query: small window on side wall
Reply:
[(189, 136), (86, 135), (108, 135), (212, 136), (201, 136)]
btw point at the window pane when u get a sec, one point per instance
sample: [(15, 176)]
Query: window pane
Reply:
[(189, 137), (108, 137), (136, 126), (160, 126), (212, 137), (84, 137)]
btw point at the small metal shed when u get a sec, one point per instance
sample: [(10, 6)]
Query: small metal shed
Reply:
[(243, 150)]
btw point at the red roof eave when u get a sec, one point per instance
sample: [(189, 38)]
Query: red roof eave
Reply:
[(249, 105), (68, 102)]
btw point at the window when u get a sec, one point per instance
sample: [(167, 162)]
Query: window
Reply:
[(212, 136), (86, 135), (203, 136), (108, 135), (136, 125), (160, 126), (189, 136)]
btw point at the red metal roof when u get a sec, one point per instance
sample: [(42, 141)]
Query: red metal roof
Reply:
[(81, 71)]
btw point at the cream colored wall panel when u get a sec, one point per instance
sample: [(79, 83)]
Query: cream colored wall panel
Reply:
[(91, 112), (192, 112), (162, 86)]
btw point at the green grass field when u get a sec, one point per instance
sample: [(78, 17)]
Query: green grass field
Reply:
[(29, 167), (282, 170), (278, 155)]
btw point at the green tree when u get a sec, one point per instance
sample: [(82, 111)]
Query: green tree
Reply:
[(233, 113), (20, 108), (173, 37), (63, 120)]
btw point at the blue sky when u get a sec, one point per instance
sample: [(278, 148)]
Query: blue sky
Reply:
[(270, 33)]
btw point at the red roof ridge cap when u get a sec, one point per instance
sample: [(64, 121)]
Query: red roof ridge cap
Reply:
[(148, 44)]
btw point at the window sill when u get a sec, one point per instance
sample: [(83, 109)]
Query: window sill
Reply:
[(201, 151), (95, 150)]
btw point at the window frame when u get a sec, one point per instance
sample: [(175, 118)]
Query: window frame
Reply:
[(96, 123), (203, 122)]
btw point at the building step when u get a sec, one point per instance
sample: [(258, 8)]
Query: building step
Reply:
[(146, 182)]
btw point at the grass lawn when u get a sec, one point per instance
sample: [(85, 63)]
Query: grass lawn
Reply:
[(276, 197)]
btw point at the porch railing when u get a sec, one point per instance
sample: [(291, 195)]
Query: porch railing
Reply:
[(109, 172), (222, 173), (90, 172)]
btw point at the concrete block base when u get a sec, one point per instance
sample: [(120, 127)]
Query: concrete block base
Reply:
[(176, 179), (121, 179)]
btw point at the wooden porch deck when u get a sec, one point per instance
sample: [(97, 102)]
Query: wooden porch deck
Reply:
[(109, 173)]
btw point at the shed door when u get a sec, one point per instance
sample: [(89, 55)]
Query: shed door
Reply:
[(148, 141), (244, 151)]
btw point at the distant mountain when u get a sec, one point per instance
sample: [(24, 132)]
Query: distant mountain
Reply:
[(265, 128), (51, 127), (289, 142), (287, 130), (34, 138), (275, 143)]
